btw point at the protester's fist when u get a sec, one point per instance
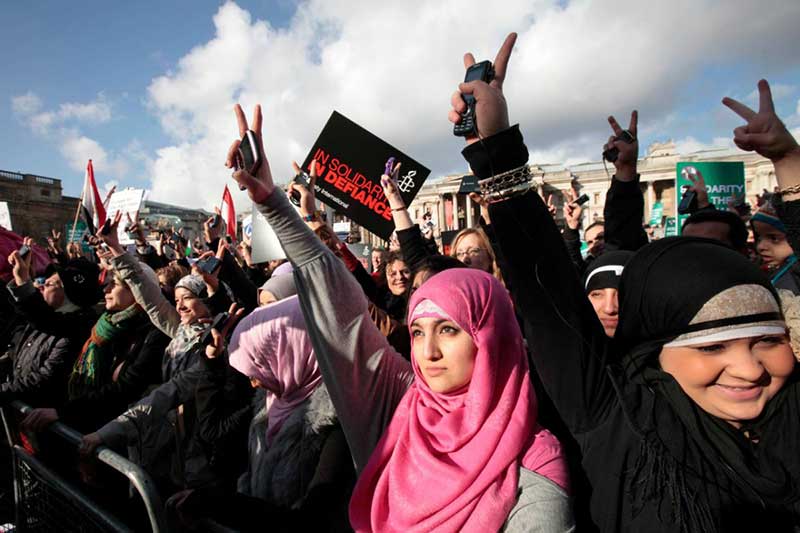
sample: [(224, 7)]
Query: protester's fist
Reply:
[(308, 201), (764, 132), (217, 345), (491, 109), (89, 444), (39, 419), (260, 186), (628, 152)]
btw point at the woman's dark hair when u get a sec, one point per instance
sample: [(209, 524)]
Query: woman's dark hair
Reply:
[(437, 263)]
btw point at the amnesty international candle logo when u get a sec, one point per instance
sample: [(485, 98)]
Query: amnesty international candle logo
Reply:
[(350, 161)]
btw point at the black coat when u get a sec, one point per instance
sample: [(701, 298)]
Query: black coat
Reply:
[(137, 356), (37, 367)]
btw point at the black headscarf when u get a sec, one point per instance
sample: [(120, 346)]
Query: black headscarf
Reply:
[(606, 271), (715, 476)]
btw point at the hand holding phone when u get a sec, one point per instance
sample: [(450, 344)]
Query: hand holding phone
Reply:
[(468, 125), (218, 324), (106, 229), (582, 199), (209, 265), (611, 153), (248, 156), (24, 252), (300, 179)]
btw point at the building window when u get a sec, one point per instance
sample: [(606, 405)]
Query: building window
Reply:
[(45, 192), (596, 198)]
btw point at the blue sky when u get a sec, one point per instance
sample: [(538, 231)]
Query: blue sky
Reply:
[(148, 85)]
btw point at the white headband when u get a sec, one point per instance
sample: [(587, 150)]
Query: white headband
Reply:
[(617, 269), (728, 334)]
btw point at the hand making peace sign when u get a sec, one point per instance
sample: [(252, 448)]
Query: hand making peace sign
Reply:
[(260, 186), (491, 109)]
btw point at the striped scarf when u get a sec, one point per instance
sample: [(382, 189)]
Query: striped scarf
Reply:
[(92, 369)]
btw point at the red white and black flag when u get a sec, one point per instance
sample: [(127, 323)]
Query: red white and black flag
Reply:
[(92, 210), (228, 213)]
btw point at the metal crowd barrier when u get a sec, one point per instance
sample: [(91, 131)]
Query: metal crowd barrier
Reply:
[(44, 501)]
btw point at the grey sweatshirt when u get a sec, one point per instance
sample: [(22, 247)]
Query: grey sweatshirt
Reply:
[(365, 376)]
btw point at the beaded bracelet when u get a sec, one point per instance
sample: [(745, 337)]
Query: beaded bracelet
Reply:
[(505, 185), (316, 216)]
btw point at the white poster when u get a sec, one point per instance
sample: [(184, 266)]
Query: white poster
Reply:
[(247, 229), (266, 246), (127, 202), (5, 216)]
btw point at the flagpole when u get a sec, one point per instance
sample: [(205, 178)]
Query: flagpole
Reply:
[(75, 222)]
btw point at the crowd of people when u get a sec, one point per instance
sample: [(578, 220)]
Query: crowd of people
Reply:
[(515, 384)]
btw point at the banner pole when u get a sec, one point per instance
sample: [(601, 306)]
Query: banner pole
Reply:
[(75, 221)]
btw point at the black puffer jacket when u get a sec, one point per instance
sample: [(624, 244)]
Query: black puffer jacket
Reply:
[(136, 367), (37, 367)]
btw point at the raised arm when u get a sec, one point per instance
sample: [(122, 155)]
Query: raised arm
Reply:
[(565, 337), (624, 208), (364, 374), (766, 134)]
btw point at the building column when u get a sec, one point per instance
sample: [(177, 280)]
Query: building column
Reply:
[(469, 211), (650, 200), (440, 222)]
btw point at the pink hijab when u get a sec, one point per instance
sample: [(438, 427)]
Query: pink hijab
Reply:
[(450, 462), (271, 345)]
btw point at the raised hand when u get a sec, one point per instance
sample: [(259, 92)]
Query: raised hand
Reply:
[(551, 207), (572, 212), (211, 280), (699, 187), (215, 348), (308, 199), (112, 239), (764, 132), (491, 109), (391, 190), (260, 186), (628, 152)]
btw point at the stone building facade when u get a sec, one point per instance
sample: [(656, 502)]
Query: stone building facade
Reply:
[(451, 211), (36, 203)]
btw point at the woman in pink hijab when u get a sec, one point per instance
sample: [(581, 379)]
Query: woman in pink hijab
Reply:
[(449, 441)]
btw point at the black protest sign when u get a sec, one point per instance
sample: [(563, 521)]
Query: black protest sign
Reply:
[(469, 183), (350, 162)]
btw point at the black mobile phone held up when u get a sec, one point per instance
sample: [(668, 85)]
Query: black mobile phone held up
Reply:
[(301, 179), (214, 221), (468, 125), (24, 251), (249, 155), (106, 229), (580, 200), (612, 153), (209, 264), (218, 323)]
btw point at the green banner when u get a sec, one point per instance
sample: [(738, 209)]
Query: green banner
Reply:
[(670, 227), (77, 235), (656, 214), (724, 181)]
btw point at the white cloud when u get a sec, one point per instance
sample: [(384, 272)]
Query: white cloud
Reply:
[(26, 104), (392, 68), (690, 145), (77, 149)]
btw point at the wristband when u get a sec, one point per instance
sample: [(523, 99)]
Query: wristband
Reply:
[(506, 185), (397, 208), (316, 216)]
